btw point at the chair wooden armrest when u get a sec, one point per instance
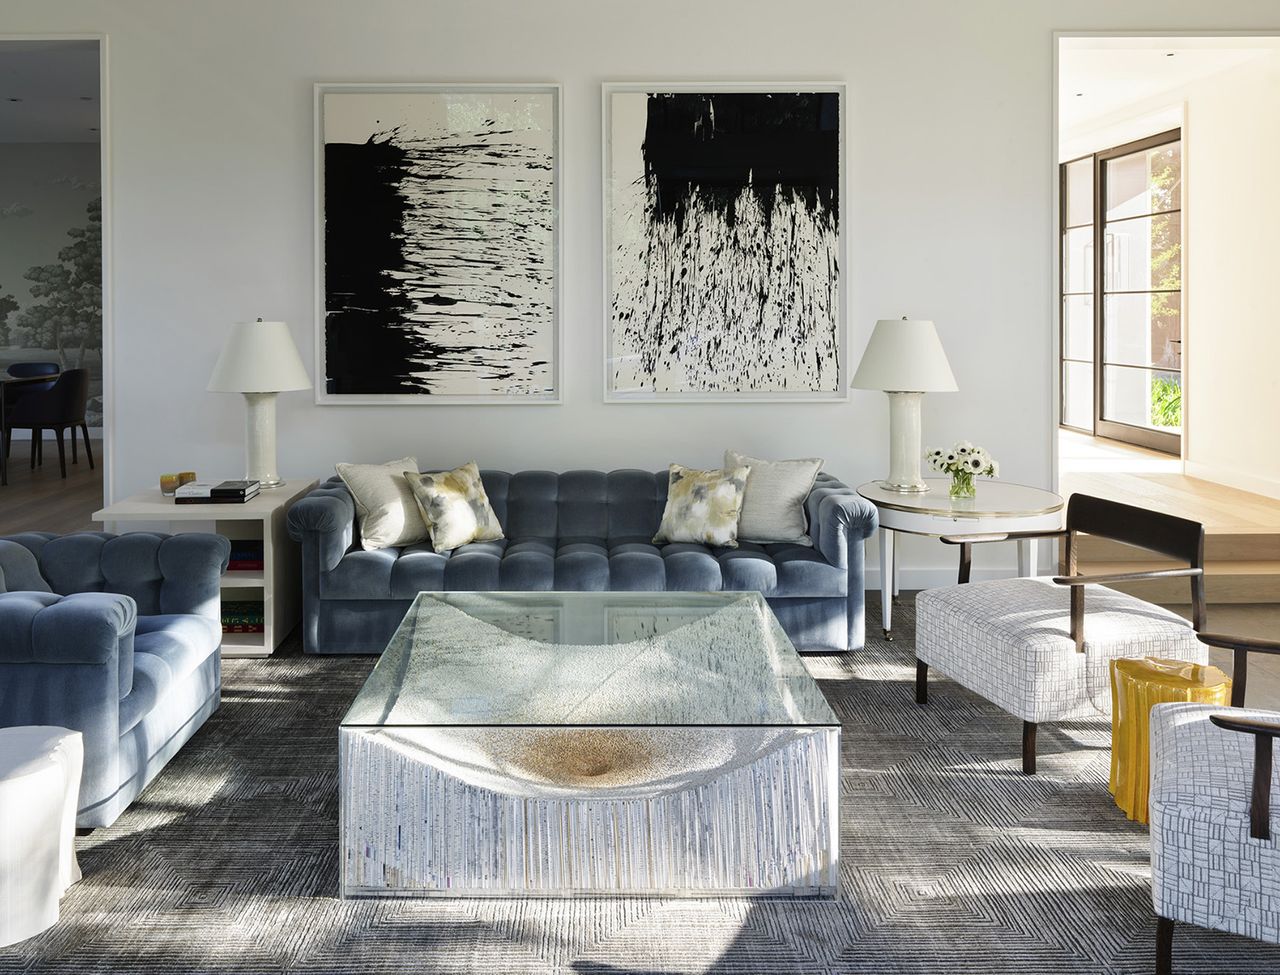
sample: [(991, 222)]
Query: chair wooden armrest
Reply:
[(1241, 646), (1251, 644), (1264, 733), (1108, 577)]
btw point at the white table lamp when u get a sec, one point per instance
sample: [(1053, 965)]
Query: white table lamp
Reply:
[(905, 359), (260, 360)]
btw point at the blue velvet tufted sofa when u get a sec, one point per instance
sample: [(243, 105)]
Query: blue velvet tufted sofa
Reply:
[(116, 637), (581, 530)]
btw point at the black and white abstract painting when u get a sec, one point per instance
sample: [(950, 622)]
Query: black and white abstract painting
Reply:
[(724, 266), (438, 244)]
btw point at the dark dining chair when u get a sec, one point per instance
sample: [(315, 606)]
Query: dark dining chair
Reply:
[(60, 407)]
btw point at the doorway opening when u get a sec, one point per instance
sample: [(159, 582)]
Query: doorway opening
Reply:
[(51, 283)]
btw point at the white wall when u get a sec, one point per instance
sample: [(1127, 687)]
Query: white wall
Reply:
[(1233, 212), (950, 189)]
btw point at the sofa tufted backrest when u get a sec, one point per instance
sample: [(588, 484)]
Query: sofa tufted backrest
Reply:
[(151, 568), (617, 506)]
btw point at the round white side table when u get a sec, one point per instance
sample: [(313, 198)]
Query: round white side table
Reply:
[(999, 507), (39, 790)]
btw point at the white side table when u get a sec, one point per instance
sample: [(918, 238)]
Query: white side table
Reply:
[(999, 507), (278, 585), (39, 791)]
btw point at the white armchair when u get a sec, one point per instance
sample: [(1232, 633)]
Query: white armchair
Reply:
[(1215, 815), (1041, 649)]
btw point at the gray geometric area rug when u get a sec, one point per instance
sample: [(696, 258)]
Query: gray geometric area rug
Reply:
[(952, 861)]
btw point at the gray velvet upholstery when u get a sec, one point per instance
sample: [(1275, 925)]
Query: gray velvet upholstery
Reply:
[(116, 637), (580, 530)]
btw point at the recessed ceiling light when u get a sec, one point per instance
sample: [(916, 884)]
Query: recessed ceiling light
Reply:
[(1171, 54), (1079, 94)]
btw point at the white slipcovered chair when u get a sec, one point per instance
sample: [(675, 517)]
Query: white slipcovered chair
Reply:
[(1215, 814), (1041, 649), (40, 770)]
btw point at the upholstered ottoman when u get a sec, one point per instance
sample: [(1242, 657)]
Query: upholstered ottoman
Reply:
[(39, 787)]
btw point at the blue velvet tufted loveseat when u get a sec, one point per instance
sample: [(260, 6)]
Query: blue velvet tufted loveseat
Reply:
[(581, 530), (116, 637)]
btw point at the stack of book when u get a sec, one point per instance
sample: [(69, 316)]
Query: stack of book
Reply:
[(226, 492), (246, 555), (243, 616)]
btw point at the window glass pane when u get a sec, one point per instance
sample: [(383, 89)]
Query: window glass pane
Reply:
[(1077, 395), (1144, 255), (1077, 327), (1077, 260), (1144, 329), (1142, 398), (1145, 182), (1077, 206)]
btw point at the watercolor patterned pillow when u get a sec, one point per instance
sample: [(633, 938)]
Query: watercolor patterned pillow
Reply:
[(703, 506), (455, 507)]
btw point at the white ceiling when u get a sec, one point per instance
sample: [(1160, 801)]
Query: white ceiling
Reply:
[(1099, 77), (56, 84)]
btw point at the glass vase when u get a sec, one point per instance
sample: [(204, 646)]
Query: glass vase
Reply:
[(962, 485)]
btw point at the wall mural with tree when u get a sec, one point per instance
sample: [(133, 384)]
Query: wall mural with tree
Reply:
[(51, 259), (67, 313)]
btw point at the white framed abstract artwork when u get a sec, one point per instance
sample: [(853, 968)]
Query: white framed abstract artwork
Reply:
[(437, 244), (724, 232)]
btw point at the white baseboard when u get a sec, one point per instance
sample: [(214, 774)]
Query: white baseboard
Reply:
[(1236, 479)]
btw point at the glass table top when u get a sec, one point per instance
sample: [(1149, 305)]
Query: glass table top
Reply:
[(589, 659), (994, 499)]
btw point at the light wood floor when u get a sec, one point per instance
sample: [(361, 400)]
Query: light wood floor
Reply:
[(1106, 468), (41, 500)]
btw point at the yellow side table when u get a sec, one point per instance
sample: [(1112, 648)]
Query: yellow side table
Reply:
[(1136, 686)]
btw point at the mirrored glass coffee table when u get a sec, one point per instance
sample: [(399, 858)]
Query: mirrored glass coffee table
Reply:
[(563, 744)]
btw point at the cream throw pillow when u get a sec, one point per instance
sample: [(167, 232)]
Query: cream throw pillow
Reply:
[(703, 506), (773, 505), (455, 507), (386, 513)]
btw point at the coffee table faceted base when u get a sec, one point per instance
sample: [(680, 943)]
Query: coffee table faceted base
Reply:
[(591, 811)]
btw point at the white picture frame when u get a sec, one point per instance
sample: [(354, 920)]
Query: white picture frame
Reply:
[(836, 390), (552, 345)]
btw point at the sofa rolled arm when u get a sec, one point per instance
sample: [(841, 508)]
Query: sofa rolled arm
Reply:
[(323, 521), (87, 628), (843, 516)]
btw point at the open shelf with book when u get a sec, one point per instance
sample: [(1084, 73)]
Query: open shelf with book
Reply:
[(265, 565)]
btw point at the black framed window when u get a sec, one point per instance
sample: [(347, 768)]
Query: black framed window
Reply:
[(1121, 355)]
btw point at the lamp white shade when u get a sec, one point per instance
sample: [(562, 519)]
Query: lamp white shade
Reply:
[(259, 357), (905, 355)]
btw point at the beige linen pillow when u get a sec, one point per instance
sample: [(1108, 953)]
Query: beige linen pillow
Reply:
[(703, 506), (455, 507), (773, 504), (386, 513)]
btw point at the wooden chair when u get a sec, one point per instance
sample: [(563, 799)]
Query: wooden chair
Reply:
[(1215, 813), (1041, 648), (60, 407)]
